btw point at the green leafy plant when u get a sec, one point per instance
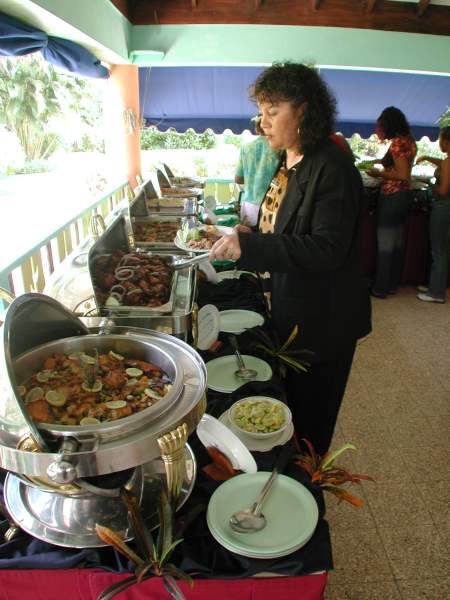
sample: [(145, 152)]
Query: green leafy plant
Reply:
[(326, 474), (153, 557), (152, 138), (296, 359)]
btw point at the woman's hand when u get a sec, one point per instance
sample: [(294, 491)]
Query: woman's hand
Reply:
[(242, 228), (227, 248)]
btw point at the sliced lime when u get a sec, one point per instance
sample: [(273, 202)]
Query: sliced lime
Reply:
[(95, 388), (113, 404), (75, 355), (132, 381), (115, 355), (89, 360), (89, 421), (43, 376), (55, 398), (34, 394), (22, 390), (152, 394), (132, 372)]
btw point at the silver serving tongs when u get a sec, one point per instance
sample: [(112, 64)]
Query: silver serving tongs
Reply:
[(182, 264)]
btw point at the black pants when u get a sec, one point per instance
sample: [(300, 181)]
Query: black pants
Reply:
[(316, 396)]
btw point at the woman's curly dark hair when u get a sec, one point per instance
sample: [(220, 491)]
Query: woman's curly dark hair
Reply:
[(299, 84), (393, 123)]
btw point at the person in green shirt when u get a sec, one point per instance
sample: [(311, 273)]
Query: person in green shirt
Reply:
[(256, 166)]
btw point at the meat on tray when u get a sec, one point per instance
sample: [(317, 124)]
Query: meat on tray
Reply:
[(132, 279), (157, 231)]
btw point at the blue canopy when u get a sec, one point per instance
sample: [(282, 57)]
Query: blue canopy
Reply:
[(18, 38), (217, 98)]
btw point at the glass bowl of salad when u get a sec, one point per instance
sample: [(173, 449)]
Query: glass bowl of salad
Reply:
[(260, 417)]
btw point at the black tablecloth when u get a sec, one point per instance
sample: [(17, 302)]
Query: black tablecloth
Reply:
[(199, 553)]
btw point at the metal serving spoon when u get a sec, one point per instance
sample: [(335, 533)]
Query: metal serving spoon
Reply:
[(251, 520), (242, 372)]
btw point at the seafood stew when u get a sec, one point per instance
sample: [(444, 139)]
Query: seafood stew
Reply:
[(132, 279), (82, 389)]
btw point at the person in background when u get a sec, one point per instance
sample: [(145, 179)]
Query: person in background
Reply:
[(256, 166), (308, 240), (439, 223), (395, 198)]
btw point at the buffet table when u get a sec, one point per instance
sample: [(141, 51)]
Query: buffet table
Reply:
[(28, 564)]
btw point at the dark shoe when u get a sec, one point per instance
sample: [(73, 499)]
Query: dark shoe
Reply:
[(376, 294)]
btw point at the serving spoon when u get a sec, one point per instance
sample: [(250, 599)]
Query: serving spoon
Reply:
[(251, 519), (242, 372)]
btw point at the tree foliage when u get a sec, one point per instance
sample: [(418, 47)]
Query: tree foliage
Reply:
[(444, 119), (32, 94), (153, 139)]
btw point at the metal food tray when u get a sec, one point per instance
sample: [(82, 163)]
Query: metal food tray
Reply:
[(180, 220), (117, 237), (180, 192), (180, 206)]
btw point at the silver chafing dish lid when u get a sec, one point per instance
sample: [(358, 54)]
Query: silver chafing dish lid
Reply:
[(31, 320)]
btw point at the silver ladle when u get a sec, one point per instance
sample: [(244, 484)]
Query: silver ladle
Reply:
[(242, 372), (251, 520)]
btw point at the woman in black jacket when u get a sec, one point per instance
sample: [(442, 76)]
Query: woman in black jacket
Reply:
[(308, 242)]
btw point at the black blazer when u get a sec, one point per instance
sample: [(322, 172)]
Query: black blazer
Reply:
[(314, 255)]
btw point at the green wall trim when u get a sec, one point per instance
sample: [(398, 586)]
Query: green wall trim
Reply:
[(264, 44), (98, 19), (100, 27)]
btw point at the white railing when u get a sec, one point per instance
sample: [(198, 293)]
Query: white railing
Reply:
[(30, 271)]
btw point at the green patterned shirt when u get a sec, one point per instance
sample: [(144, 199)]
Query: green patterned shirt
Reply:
[(257, 165)]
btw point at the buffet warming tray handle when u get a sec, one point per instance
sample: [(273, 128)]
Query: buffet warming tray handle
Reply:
[(172, 447)]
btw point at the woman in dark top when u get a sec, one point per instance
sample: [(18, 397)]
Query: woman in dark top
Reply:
[(395, 199), (308, 241)]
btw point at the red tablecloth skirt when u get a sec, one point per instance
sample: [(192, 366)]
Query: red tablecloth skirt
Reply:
[(86, 584)]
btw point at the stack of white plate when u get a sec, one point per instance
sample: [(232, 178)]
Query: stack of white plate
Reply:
[(290, 510), (237, 320)]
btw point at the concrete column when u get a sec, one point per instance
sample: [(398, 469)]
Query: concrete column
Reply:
[(123, 144)]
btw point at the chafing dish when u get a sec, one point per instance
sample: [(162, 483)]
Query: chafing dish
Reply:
[(176, 321), (64, 479), (173, 206), (143, 227), (145, 205)]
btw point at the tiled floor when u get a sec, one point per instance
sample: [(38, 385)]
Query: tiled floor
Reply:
[(397, 413)]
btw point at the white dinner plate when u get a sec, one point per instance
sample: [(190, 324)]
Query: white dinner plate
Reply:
[(179, 243), (254, 444), (237, 321), (212, 433), (221, 377), (290, 510)]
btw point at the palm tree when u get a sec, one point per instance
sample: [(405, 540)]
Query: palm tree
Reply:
[(29, 98)]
